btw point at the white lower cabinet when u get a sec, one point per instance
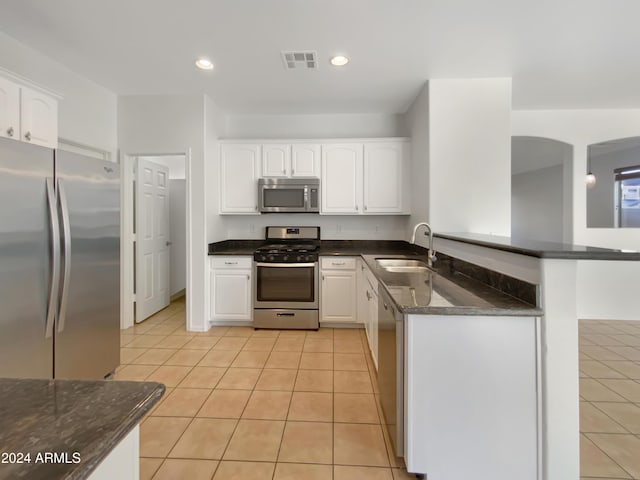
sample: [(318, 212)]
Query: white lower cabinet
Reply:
[(368, 308), (338, 290), (231, 293)]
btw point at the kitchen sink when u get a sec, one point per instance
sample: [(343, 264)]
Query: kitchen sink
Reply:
[(402, 265)]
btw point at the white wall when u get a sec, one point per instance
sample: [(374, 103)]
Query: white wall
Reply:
[(315, 126), (470, 155), (604, 288), (215, 127), (174, 124), (332, 227), (536, 204), (417, 121), (88, 112)]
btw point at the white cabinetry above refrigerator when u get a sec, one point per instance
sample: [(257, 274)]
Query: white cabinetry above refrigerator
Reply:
[(28, 114)]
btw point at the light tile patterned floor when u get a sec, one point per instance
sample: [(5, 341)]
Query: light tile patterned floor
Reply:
[(301, 405), (610, 399), (276, 405)]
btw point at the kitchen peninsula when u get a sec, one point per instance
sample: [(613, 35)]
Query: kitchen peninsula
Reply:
[(494, 337), (72, 429), (553, 267)]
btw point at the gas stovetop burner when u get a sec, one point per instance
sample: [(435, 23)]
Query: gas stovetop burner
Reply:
[(283, 247), (289, 245)]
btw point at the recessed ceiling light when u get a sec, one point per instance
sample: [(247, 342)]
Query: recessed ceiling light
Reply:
[(339, 61), (204, 64)]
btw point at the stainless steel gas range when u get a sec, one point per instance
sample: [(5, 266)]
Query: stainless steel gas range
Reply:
[(285, 272)]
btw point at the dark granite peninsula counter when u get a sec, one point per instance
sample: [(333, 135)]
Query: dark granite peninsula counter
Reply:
[(566, 277), (67, 427), (540, 249)]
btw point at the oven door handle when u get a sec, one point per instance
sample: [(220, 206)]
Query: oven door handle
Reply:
[(286, 265)]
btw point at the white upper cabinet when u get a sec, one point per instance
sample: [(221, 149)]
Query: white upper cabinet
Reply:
[(239, 172), (39, 114), (341, 178), (27, 114), (385, 184), (305, 160), (9, 109), (357, 177), (276, 160)]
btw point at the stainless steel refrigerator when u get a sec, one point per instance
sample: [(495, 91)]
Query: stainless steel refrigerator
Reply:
[(59, 263)]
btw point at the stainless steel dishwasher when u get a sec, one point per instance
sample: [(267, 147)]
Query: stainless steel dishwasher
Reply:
[(391, 369)]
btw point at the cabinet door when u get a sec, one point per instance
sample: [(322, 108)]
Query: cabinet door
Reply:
[(305, 160), (39, 118), (341, 178), (339, 296), (238, 178), (383, 177), (276, 160), (231, 295), (9, 109)]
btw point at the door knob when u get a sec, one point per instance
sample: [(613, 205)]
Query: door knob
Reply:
[(28, 136)]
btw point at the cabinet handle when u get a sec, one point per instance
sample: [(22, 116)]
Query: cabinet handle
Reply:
[(230, 263), (365, 208), (10, 131), (284, 171), (386, 307), (293, 171), (368, 295), (337, 264), (356, 208), (248, 277), (256, 208), (323, 278), (28, 136)]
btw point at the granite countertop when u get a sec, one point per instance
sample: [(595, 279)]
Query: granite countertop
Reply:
[(440, 291), (68, 416), (540, 249), (327, 247)]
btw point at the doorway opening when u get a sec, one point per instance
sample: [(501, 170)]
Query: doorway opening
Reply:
[(155, 224), (541, 189)]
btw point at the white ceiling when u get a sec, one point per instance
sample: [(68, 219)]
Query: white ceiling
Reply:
[(560, 53)]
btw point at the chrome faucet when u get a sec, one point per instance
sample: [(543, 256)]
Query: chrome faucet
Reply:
[(431, 252)]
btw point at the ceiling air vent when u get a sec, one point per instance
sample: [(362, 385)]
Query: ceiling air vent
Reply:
[(300, 60)]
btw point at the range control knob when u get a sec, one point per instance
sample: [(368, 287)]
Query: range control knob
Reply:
[(271, 257), (299, 258), (285, 258)]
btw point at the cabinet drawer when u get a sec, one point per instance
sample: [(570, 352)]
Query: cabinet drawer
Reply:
[(235, 261), (338, 263)]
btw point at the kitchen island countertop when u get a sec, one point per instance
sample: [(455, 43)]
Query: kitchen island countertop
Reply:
[(67, 417)]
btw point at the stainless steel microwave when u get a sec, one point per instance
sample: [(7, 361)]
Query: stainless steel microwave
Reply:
[(289, 195)]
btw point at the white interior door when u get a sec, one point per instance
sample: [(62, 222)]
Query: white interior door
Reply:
[(152, 238)]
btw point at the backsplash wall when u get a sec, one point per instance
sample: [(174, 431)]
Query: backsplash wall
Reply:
[(332, 227)]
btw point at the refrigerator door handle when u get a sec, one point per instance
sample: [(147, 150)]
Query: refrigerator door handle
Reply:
[(66, 231), (55, 267)]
